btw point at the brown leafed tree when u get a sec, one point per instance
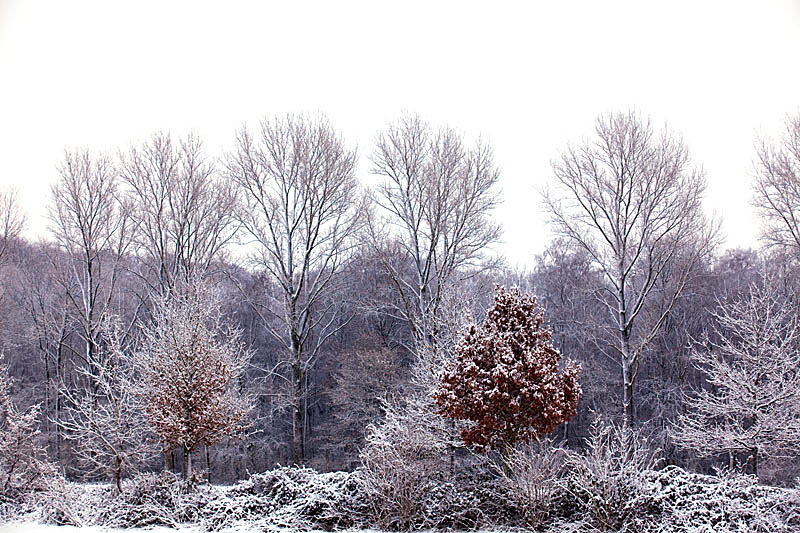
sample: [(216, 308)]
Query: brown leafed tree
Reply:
[(301, 209), (505, 377), (189, 365), (632, 200)]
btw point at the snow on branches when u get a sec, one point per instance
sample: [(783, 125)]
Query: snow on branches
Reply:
[(190, 363), (752, 363), (23, 467), (505, 377), (104, 420)]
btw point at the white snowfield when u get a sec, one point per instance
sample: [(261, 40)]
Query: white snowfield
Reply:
[(33, 527)]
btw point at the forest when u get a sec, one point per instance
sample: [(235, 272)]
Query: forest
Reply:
[(267, 337)]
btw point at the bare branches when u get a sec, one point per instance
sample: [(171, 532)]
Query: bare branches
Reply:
[(22, 465), (753, 405), (435, 202), (12, 220), (632, 201), (183, 212), (777, 187), (301, 209), (91, 224), (106, 424)]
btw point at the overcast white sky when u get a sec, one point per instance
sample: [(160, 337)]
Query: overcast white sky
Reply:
[(528, 76)]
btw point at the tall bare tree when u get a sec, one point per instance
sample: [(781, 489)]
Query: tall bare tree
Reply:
[(183, 212), (433, 222), (301, 208), (52, 324), (632, 200), (91, 224), (777, 187)]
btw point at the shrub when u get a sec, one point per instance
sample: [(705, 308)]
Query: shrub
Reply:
[(293, 498), (726, 503), (536, 480), (607, 480)]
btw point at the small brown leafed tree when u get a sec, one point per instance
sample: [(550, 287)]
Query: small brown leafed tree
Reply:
[(505, 377), (190, 364)]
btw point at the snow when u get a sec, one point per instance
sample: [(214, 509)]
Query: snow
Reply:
[(34, 527)]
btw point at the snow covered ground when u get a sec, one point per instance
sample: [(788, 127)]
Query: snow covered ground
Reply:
[(33, 527)]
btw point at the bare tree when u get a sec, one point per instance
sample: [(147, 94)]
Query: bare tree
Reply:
[(23, 466), (301, 208), (777, 187), (188, 366), (52, 325), (751, 360), (91, 225), (12, 220), (362, 381), (632, 200), (183, 212), (107, 426), (434, 221)]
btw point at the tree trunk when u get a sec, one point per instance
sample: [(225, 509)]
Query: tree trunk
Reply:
[(627, 400), (59, 378), (118, 474), (298, 418), (169, 461), (187, 463), (298, 423), (208, 465), (506, 456), (625, 349)]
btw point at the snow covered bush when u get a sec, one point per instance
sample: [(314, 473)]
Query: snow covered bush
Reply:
[(474, 497), (150, 499), (291, 498), (69, 503), (416, 474), (752, 409), (505, 377), (607, 479), (536, 480), (727, 503), (24, 468), (401, 462)]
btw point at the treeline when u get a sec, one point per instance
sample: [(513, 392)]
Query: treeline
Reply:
[(326, 309)]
